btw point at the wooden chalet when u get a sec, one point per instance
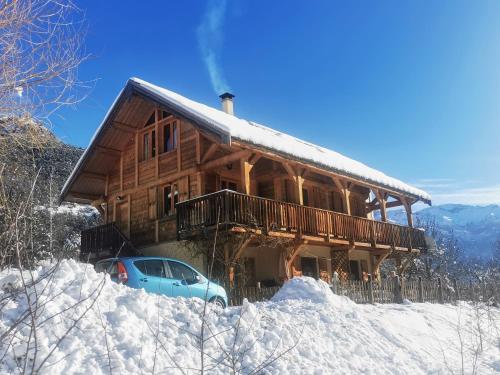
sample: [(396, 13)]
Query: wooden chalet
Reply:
[(167, 172)]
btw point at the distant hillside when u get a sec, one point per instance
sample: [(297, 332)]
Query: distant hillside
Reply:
[(475, 227), (31, 155)]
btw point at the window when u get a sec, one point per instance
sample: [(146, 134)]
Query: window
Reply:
[(170, 136), (152, 267), (335, 201), (148, 146), (182, 272), (229, 185), (170, 198)]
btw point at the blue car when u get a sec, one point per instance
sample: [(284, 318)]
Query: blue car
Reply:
[(166, 276)]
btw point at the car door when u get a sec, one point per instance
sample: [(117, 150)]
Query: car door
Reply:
[(185, 281), (153, 276)]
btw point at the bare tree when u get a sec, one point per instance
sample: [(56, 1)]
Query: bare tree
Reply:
[(41, 48)]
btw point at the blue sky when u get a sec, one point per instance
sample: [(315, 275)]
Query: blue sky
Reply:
[(411, 88)]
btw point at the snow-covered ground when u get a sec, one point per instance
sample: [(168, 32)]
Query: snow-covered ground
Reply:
[(88, 325)]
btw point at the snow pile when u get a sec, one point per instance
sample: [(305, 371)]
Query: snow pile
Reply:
[(88, 324), (69, 209), (309, 289)]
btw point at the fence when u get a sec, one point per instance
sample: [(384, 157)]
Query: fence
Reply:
[(390, 291)]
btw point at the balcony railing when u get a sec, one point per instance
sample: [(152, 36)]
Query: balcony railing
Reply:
[(104, 241), (229, 208)]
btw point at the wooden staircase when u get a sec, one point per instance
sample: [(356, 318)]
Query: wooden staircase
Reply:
[(105, 241)]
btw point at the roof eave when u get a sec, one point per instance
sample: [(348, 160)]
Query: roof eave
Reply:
[(338, 171)]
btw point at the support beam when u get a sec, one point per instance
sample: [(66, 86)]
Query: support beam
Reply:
[(297, 175), (225, 160), (372, 207), (407, 204), (290, 257), (379, 259), (209, 153), (246, 168), (299, 183), (344, 186), (382, 201)]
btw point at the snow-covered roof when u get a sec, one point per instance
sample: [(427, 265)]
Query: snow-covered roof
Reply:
[(260, 135), (233, 128)]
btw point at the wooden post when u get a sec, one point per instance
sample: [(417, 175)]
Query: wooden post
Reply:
[(246, 167), (370, 289), (382, 201), (420, 290), (299, 182), (440, 291), (346, 193), (407, 205), (398, 298)]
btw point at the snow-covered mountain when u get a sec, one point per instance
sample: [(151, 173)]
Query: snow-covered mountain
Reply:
[(475, 227)]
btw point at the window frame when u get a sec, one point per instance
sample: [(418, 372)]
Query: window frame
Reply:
[(196, 273), (171, 143), (174, 193), (166, 271)]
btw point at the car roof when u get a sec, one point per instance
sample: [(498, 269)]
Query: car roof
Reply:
[(139, 258)]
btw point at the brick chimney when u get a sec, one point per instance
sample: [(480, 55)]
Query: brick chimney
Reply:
[(227, 103)]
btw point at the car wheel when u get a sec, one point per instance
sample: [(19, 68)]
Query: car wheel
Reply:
[(218, 302)]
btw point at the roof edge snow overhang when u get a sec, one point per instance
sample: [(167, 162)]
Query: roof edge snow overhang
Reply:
[(342, 173), (133, 87)]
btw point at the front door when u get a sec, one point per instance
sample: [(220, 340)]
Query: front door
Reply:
[(122, 217), (354, 270), (309, 267)]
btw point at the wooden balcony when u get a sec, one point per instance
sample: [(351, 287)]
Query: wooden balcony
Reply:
[(235, 210)]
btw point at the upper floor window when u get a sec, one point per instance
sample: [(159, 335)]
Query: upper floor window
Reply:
[(147, 146), (170, 136)]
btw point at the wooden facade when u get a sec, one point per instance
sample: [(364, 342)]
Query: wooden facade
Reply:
[(161, 177)]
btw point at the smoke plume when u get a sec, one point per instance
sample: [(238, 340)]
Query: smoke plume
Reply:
[(210, 39)]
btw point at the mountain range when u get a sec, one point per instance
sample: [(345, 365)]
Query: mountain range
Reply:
[(476, 228)]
